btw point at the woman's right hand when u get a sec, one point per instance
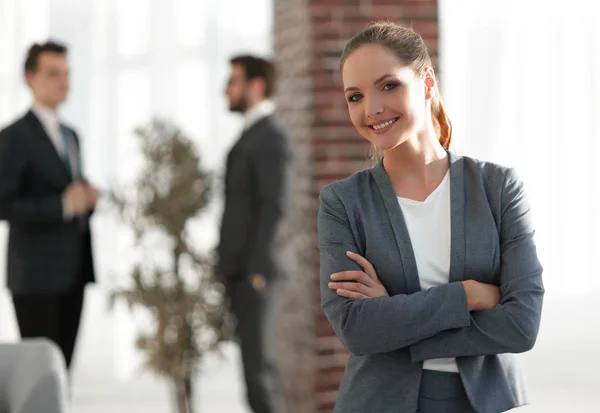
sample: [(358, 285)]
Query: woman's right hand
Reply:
[(481, 296)]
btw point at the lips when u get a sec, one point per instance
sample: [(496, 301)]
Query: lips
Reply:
[(384, 126)]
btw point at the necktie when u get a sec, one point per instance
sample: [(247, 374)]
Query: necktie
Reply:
[(66, 150)]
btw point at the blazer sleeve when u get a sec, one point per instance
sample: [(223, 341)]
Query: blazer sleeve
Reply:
[(512, 326), (13, 207), (271, 162), (384, 324)]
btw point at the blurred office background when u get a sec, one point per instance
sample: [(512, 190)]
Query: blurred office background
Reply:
[(521, 81)]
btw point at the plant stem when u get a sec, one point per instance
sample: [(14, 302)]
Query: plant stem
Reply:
[(180, 396), (189, 394)]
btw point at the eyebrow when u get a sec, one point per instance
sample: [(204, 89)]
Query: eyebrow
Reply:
[(376, 82)]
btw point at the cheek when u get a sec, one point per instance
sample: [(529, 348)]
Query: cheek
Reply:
[(46, 87), (238, 92), (52, 85), (357, 119), (231, 92), (355, 116), (408, 106), (416, 102)]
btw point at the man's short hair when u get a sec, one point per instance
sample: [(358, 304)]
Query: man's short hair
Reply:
[(257, 67), (33, 54)]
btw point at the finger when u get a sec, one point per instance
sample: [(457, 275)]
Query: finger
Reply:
[(347, 275), (363, 262), (350, 286), (357, 276), (350, 294)]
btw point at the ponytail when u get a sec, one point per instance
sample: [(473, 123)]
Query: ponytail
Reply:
[(441, 123)]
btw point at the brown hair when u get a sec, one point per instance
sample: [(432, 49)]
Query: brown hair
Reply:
[(257, 67), (34, 52), (410, 48)]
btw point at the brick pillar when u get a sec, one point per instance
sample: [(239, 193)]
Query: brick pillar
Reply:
[(309, 37)]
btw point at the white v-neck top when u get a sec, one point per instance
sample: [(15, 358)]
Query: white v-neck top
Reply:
[(428, 224)]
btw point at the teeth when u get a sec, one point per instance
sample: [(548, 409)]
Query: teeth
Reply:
[(383, 125)]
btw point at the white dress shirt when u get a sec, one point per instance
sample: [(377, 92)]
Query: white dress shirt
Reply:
[(49, 119), (51, 124), (262, 110)]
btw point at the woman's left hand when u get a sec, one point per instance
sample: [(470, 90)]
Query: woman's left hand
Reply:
[(358, 284)]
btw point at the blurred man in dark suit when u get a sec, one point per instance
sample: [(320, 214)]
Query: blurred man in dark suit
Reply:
[(256, 194), (47, 204)]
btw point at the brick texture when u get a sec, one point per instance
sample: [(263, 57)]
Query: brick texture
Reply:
[(309, 37)]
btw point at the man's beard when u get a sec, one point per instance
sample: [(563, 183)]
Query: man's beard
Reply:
[(241, 105)]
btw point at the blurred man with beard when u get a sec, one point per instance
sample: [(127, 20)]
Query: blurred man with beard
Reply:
[(256, 194)]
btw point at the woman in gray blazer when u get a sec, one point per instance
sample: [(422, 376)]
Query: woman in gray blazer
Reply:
[(429, 272)]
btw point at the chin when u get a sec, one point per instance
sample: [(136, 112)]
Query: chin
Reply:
[(385, 143), (235, 107)]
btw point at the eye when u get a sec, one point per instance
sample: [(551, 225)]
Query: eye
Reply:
[(355, 98), (390, 86)]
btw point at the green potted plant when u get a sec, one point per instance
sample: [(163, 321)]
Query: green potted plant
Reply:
[(189, 313)]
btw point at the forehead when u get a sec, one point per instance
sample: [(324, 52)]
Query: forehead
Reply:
[(52, 60), (370, 62)]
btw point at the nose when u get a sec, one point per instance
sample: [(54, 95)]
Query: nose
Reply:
[(373, 107)]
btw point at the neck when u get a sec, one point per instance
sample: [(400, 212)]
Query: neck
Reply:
[(47, 106), (417, 160)]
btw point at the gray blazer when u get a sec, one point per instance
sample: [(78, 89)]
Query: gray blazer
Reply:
[(389, 337)]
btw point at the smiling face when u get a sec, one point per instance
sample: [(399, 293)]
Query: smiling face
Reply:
[(388, 103)]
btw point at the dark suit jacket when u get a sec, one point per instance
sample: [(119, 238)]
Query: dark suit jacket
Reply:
[(256, 194), (390, 337), (46, 254)]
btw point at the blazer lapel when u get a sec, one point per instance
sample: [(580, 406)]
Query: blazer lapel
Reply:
[(457, 218), (390, 200), (457, 223)]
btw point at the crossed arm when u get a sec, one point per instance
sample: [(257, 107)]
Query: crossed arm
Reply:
[(439, 322)]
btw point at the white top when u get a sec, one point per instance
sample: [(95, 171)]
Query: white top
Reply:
[(49, 120), (428, 224), (263, 109)]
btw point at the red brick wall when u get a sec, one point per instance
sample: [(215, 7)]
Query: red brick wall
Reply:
[(309, 37)]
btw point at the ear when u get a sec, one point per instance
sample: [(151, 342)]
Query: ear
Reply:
[(430, 83), (28, 78), (257, 85)]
